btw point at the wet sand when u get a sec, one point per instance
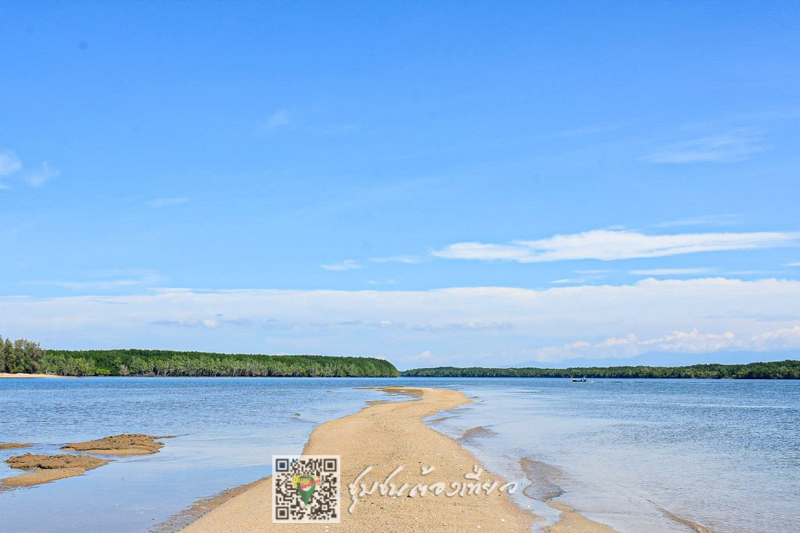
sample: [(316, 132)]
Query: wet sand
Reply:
[(47, 468), (384, 436), (13, 445), (572, 522), (128, 444)]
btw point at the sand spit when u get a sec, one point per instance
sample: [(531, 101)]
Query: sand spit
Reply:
[(6, 375), (13, 445), (48, 468), (383, 436), (128, 444)]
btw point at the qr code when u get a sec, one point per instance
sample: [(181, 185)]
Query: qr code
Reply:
[(305, 489)]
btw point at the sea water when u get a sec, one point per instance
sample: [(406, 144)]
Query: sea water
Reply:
[(635, 454), (628, 453)]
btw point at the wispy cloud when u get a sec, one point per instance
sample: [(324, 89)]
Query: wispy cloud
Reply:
[(9, 162), (736, 145), (106, 281), (166, 202), (41, 175), (670, 271), (607, 245), (102, 285), (279, 119), (409, 259), (706, 220), (568, 281), (347, 264)]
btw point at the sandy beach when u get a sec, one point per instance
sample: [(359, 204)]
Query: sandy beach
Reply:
[(385, 436), (6, 375)]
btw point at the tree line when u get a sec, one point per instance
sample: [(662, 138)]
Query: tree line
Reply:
[(20, 355), (27, 356), (789, 369), (173, 363)]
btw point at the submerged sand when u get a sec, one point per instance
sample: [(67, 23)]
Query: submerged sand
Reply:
[(385, 436), (48, 468), (128, 444)]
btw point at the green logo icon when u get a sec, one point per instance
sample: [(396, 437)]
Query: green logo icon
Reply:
[(305, 485)]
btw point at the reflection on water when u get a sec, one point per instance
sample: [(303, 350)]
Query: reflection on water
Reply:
[(724, 454)]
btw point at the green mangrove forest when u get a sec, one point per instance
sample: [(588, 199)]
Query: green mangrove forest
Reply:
[(789, 369), (24, 356), (27, 356)]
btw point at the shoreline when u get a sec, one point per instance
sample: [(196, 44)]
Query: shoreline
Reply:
[(26, 375), (384, 436)]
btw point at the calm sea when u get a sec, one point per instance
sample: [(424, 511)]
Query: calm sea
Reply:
[(725, 454)]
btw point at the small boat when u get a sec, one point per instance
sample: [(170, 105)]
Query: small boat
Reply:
[(578, 380)]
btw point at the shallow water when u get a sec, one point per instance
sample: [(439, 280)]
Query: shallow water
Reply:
[(725, 454), (226, 432)]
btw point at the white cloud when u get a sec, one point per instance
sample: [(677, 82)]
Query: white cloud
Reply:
[(96, 285), (409, 259), (347, 264), (493, 326), (9, 163), (568, 281), (669, 271), (166, 202), (44, 173), (793, 264), (106, 281), (678, 341), (730, 147), (280, 118), (608, 245), (423, 355), (706, 220)]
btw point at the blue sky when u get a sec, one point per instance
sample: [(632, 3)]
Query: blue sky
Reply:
[(458, 183)]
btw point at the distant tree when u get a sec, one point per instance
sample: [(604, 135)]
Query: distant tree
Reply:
[(13, 361)]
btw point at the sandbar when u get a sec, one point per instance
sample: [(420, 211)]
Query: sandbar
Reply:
[(127, 444), (46, 468), (386, 435)]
